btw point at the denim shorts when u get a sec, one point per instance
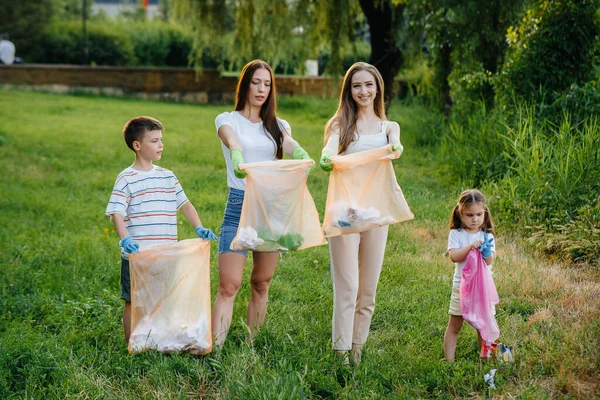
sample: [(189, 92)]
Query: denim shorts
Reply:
[(231, 221), (125, 280)]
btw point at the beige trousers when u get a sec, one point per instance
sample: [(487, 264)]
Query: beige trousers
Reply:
[(356, 261)]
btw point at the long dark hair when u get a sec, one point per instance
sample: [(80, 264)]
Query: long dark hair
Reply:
[(465, 199), (344, 119), (268, 111)]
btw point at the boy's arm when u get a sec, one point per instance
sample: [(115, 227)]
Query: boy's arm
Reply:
[(119, 223), (190, 213), (126, 243)]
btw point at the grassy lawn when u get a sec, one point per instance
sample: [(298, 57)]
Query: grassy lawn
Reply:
[(60, 328)]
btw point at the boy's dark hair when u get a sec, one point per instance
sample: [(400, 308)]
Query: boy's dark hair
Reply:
[(467, 198), (135, 129)]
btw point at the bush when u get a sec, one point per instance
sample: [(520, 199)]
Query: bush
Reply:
[(551, 184), (552, 49), (579, 102), (62, 44), (579, 239), (160, 44), (24, 21), (472, 147)]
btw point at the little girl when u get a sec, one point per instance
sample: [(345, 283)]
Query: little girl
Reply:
[(470, 224)]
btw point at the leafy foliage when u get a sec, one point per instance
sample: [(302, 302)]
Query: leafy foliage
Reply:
[(544, 175), (550, 50), (281, 32), (465, 44), (62, 43), (118, 42), (24, 21)]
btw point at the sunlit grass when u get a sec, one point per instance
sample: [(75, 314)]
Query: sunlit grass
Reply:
[(60, 329)]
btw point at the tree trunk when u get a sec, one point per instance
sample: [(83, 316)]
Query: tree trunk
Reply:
[(383, 18), (445, 70)]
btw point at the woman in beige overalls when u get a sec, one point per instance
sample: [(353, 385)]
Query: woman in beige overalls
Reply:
[(359, 124)]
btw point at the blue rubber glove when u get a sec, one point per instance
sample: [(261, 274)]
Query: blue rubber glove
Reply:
[(129, 245), (343, 224), (205, 233), (486, 247), (325, 162), (300, 154), (236, 159)]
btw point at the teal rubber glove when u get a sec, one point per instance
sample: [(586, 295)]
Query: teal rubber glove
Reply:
[(486, 247), (325, 162), (129, 245), (205, 233), (236, 159), (300, 154)]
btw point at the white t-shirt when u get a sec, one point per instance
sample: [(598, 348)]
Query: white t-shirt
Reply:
[(257, 144), (459, 238), (368, 141), (148, 202), (7, 52)]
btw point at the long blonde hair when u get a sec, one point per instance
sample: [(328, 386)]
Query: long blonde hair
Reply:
[(344, 119)]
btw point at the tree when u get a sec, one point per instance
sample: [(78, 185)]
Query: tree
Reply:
[(553, 48), (288, 32), (466, 43), (384, 19), (24, 21)]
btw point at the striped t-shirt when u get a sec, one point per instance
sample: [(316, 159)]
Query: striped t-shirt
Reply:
[(148, 202)]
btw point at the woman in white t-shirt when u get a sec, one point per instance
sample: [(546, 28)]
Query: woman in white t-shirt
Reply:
[(251, 133), (359, 124)]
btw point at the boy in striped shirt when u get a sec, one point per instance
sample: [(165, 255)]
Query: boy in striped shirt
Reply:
[(144, 202)]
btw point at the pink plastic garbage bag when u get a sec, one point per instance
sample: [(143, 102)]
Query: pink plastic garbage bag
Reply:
[(170, 298), (478, 296), (278, 213), (363, 193)]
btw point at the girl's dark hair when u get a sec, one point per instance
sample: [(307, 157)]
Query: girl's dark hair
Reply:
[(465, 199), (268, 111), (135, 129)]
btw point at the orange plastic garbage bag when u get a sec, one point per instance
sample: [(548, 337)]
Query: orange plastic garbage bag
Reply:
[(363, 193), (278, 213), (170, 298)]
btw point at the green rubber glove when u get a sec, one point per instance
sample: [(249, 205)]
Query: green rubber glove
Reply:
[(396, 147), (325, 162), (236, 159), (300, 154)]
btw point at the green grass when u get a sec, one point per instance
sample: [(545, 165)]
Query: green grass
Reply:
[(60, 328)]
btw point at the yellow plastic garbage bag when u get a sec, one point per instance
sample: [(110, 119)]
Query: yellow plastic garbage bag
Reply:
[(278, 213), (170, 298), (363, 193)]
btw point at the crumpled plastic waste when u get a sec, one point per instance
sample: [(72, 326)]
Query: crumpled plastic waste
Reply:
[(489, 350), (506, 353), (188, 339), (346, 216), (489, 378), (249, 238), (264, 239)]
